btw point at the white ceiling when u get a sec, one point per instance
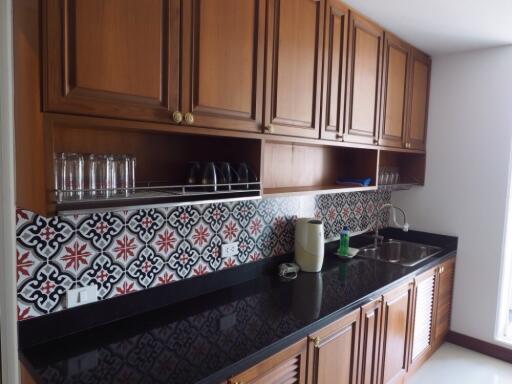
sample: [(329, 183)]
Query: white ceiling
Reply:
[(443, 26)]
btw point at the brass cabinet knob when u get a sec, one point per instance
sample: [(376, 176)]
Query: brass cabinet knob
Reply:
[(375, 141), (407, 145), (340, 136), (177, 117), (269, 128), (189, 118)]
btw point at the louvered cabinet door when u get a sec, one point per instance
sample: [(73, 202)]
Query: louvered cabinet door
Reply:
[(369, 341), (444, 300), (333, 352), (285, 367), (423, 317)]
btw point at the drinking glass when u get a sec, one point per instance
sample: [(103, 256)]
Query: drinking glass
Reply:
[(243, 175), (193, 172), (100, 175), (73, 175), (120, 174), (58, 167), (210, 176), (132, 164)]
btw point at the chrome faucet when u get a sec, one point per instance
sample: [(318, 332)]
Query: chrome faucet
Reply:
[(405, 226)]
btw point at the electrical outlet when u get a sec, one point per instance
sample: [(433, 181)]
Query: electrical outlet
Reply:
[(81, 296), (230, 250)]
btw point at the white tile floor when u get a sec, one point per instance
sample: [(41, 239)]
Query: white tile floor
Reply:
[(453, 365)]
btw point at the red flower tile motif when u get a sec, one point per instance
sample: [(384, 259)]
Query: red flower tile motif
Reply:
[(166, 278), (256, 226), (23, 314), (229, 263), (125, 288), (166, 241), (76, 256), (230, 231), (200, 235), (200, 270), (125, 248), (331, 214), (21, 215), (23, 263), (255, 256)]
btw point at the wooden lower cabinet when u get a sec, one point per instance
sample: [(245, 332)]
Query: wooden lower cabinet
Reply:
[(395, 330), (287, 366), (369, 341), (333, 352), (444, 292), (379, 343), (422, 340)]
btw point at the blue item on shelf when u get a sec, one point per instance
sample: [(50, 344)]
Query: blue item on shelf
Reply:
[(360, 182)]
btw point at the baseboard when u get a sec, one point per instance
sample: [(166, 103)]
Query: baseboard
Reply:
[(480, 346)]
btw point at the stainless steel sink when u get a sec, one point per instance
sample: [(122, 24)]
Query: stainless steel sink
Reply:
[(400, 252)]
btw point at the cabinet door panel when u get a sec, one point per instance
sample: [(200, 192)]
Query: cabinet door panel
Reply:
[(395, 333), (285, 367), (420, 82), (423, 316), (113, 58), (444, 300), (364, 80), (371, 318), (294, 67), (394, 103), (223, 63), (335, 69), (333, 352)]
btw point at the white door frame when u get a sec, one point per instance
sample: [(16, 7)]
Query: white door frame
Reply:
[(8, 308)]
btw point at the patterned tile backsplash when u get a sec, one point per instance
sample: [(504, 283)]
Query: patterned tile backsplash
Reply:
[(124, 252)]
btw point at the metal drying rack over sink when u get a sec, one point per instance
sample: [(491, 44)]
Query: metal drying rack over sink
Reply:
[(75, 201)]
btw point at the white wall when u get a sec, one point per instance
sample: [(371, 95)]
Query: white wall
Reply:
[(468, 159), (8, 323)]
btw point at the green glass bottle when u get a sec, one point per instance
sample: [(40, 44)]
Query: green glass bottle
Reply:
[(344, 241)]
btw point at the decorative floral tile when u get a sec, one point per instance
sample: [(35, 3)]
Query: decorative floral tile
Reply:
[(124, 252)]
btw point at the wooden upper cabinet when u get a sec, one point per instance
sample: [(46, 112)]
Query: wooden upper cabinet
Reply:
[(333, 352), (369, 342), (423, 317), (335, 69), (363, 87), (293, 75), (394, 92), (112, 58), (444, 291), (223, 62), (287, 366), (419, 94), (397, 307)]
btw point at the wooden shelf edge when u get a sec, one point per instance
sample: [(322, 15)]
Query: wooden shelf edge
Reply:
[(314, 190)]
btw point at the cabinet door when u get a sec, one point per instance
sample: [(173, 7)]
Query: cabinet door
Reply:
[(419, 93), (293, 74), (333, 352), (369, 342), (223, 60), (112, 58), (287, 366), (394, 92), (364, 73), (395, 333), (423, 317), (444, 292), (335, 70)]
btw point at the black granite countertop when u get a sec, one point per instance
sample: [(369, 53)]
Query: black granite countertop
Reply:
[(211, 337)]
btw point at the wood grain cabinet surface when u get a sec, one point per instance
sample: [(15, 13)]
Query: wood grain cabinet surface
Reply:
[(223, 61), (294, 58), (333, 352), (369, 342), (396, 317), (285, 367), (363, 86), (335, 70), (112, 58), (444, 296)]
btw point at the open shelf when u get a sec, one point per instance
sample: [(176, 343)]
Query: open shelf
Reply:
[(411, 167), (297, 168)]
